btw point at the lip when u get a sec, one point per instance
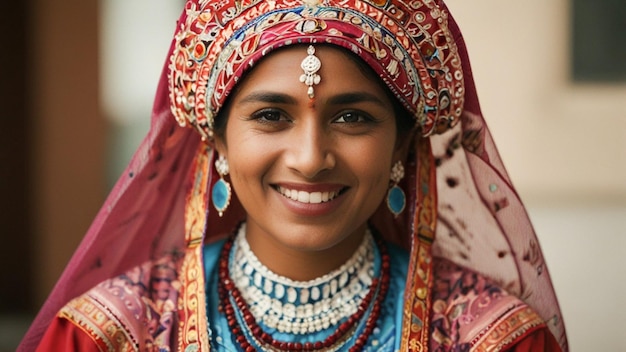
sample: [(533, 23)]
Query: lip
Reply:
[(332, 195)]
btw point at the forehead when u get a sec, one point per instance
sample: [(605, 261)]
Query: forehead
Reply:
[(340, 71)]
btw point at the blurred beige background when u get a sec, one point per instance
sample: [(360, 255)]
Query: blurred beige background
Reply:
[(564, 145), (559, 139), (78, 88)]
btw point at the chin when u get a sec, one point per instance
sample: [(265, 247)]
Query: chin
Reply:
[(315, 238)]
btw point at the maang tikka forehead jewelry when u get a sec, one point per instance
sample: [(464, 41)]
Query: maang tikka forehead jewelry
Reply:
[(311, 64)]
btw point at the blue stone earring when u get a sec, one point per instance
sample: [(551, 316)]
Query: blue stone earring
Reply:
[(221, 190), (396, 200)]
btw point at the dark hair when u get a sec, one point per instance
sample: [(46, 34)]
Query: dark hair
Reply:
[(405, 123)]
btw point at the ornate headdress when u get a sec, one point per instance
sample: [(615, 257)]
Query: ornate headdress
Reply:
[(407, 43)]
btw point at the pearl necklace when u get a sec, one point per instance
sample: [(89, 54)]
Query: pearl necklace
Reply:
[(302, 307), (232, 301)]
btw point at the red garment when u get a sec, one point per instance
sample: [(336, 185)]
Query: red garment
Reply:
[(540, 340), (63, 335)]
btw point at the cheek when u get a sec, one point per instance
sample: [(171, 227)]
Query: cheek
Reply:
[(245, 183), (244, 171), (248, 167), (374, 183), (374, 165)]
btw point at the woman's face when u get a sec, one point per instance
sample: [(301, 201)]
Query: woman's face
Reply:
[(309, 172)]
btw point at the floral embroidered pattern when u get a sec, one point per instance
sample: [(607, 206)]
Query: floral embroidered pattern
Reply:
[(133, 311), (463, 299)]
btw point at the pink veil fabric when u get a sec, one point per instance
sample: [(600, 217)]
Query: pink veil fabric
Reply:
[(481, 223), (141, 218)]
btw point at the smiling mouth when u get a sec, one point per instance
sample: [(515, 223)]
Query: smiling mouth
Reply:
[(309, 197)]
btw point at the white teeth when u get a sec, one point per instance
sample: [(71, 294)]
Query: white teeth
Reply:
[(306, 197), (303, 197), (315, 197)]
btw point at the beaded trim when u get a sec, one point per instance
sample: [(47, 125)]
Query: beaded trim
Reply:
[(302, 307)]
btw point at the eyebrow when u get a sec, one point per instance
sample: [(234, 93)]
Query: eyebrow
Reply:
[(356, 97), (268, 97), (340, 99)]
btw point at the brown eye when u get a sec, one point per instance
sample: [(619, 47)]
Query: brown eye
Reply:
[(268, 115), (352, 117)]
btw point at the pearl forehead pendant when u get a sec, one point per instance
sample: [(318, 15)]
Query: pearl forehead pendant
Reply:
[(311, 64)]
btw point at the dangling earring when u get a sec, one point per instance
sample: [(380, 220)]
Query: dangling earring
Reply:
[(221, 190), (396, 200)]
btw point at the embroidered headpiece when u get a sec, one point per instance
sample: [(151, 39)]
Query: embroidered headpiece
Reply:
[(407, 43)]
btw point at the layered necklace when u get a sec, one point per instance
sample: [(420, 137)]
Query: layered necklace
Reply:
[(253, 299)]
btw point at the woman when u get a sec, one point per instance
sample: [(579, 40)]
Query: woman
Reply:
[(335, 140)]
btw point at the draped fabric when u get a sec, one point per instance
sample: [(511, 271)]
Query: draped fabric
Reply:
[(462, 207)]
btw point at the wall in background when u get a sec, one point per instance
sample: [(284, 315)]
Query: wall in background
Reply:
[(67, 132), (561, 141), (134, 40), (564, 144), (15, 173)]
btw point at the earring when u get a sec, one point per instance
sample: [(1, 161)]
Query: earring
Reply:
[(396, 200), (221, 190)]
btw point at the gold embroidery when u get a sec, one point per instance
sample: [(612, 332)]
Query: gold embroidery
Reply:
[(193, 329), (415, 322), (193, 333), (510, 327), (105, 330)]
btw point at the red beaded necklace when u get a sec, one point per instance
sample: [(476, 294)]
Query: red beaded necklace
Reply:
[(226, 287)]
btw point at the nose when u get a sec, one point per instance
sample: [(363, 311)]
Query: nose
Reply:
[(310, 149)]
